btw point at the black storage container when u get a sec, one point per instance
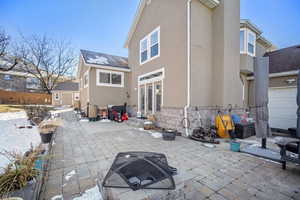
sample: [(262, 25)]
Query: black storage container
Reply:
[(169, 134), (244, 130), (46, 137)]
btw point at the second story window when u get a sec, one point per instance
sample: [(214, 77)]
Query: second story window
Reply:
[(150, 46), (247, 42), (32, 83), (110, 78), (251, 43), (7, 77)]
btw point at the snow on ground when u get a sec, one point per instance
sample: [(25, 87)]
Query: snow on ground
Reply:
[(57, 197), (59, 110), (70, 174), (91, 194), (13, 138)]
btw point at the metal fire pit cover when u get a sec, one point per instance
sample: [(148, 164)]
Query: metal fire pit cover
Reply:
[(140, 170)]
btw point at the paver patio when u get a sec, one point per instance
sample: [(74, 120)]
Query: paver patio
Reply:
[(88, 149)]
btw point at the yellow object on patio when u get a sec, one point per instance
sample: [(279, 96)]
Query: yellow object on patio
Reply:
[(224, 124)]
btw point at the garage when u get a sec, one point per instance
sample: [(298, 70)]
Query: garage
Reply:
[(283, 107)]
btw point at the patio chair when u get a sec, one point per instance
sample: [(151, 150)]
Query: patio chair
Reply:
[(289, 145)]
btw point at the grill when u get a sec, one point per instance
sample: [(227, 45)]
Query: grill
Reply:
[(140, 170)]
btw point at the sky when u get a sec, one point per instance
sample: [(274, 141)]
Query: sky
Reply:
[(102, 25)]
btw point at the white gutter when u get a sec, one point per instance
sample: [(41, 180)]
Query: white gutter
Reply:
[(274, 75), (188, 66)]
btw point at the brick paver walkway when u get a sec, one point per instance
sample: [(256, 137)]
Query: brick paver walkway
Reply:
[(88, 148)]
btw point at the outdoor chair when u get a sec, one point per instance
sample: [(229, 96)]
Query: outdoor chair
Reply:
[(289, 145)]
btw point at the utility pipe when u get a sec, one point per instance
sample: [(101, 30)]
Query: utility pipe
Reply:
[(189, 2)]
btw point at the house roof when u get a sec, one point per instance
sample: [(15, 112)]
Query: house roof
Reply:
[(143, 3), (284, 60), (248, 24), (101, 59), (67, 86)]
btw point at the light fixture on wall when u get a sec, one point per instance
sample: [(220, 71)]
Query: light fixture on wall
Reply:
[(290, 81)]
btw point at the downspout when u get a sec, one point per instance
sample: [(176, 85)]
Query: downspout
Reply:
[(189, 2)]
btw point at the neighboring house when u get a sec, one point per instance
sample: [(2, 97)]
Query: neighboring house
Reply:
[(18, 80), (65, 93), (252, 45), (283, 68), (184, 57), (104, 79)]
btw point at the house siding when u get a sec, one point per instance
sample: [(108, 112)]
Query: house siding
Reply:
[(84, 92), (103, 96), (170, 15)]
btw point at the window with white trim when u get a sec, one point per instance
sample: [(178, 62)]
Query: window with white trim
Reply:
[(150, 46), (110, 78), (32, 83), (247, 41), (7, 77), (251, 43)]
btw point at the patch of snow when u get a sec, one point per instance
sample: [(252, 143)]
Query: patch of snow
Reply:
[(98, 60), (15, 139), (57, 197), (156, 134), (84, 120), (105, 120), (91, 194), (56, 112), (70, 174), (209, 145)]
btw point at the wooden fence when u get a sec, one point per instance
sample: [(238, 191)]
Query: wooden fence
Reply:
[(10, 97)]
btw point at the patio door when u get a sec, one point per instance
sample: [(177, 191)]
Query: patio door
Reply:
[(150, 92), (150, 98)]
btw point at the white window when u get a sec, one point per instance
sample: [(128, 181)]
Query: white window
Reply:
[(7, 77), (251, 43), (86, 79), (242, 40), (110, 78), (56, 96), (76, 96), (247, 42), (32, 83), (150, 46)]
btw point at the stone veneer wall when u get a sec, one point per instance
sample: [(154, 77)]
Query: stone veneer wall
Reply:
[(197, 116)]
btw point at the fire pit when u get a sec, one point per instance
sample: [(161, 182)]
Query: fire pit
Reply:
[(140, 170)]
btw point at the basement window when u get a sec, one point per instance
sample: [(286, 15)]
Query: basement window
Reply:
[(110, 78)]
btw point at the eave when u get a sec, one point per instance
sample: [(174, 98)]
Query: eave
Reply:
[(209, 3)]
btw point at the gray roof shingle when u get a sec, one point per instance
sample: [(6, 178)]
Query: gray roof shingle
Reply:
[(95, 58), (67, 86), (284, 60)]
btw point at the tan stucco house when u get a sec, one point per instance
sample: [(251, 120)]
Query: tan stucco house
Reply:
[(104, 79), (186, 59), (66, 93)]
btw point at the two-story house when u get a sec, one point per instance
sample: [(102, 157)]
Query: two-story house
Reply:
[(184, 56), (186, 59), (17, 79)]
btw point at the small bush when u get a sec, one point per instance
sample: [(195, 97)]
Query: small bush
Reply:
[(19, 172)]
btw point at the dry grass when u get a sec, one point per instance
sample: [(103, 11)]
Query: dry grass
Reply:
[(17, 174), (10, 108)]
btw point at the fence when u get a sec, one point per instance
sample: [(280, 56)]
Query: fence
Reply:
[(11, 97)]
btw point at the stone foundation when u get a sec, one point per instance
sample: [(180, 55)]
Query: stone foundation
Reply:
[(173, 118)]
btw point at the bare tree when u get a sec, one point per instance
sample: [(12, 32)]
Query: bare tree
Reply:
[(4, 43), (46, 59)]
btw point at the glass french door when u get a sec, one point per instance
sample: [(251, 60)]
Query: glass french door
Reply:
[(150, 98)]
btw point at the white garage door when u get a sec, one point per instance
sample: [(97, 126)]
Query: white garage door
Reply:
[(283, 107)]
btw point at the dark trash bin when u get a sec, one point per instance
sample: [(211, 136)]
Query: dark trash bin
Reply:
[(46, 137), (169, 134)]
